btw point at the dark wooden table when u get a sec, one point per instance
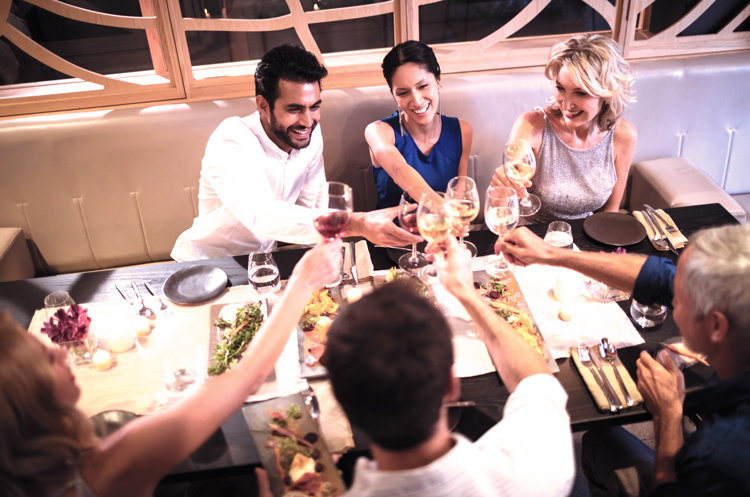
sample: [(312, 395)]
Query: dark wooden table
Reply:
[(231, 450)]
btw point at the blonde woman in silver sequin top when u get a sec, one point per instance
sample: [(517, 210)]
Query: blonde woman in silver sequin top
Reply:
[(582, 145)]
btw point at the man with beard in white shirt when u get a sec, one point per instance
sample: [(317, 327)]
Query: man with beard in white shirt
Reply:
[(260, 173)]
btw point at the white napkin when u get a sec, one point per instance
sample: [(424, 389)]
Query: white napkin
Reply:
[(364, 262), (591, 320)]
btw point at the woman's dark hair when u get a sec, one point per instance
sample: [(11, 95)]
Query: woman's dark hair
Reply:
[(389, 358), (288, 62), (409, 51)]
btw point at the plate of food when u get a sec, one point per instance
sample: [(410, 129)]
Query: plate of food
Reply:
[(233, 327), (506, 299), (312, 330), (291, 449)]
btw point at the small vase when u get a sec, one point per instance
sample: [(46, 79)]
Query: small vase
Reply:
[(79, 352)]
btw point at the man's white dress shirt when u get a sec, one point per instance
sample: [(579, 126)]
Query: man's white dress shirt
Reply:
[(252, 193), (528, 453)]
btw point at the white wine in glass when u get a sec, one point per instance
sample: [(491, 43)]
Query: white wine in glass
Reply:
[(501, 216), (407, 218), (463, 199), (434, 221), (519, 165)]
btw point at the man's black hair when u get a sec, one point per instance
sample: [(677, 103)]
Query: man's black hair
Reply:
[(389, 358), (288, 62)]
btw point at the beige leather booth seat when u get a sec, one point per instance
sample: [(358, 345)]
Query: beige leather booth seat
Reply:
[(104, 189)]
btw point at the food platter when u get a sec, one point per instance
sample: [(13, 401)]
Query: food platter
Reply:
[(227, 311), (313, 328), (195, 284), (271, 445)]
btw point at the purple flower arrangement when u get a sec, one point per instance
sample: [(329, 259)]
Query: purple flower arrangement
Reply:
[(68, 325)]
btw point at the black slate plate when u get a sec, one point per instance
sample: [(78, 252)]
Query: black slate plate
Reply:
[(195, 284), (613, 228)]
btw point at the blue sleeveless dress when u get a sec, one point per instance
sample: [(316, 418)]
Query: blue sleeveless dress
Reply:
[(437, 168)]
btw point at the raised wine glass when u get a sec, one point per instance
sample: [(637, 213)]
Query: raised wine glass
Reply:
[(332, 212), (407, 218), (434, 221), (464, 203), (519, 165), (501, 216)]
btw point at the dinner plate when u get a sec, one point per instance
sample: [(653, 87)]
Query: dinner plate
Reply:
[(613, 228), (107, 422), (195, 284)]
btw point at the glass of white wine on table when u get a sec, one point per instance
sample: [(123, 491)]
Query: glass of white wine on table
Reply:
[(463, 199), (407, 219), (501, 216), (435, 221), (519, 165), (332, 212)]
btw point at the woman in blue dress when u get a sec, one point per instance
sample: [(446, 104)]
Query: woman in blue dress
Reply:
[(416, 146)]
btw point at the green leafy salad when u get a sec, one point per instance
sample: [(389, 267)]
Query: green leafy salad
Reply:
[(237, 335)]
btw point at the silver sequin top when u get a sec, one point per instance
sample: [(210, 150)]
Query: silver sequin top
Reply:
[(572, 183)]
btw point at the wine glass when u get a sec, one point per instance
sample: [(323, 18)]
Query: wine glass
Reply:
[(332, 212), (519, 165), (407, 219), (559, 234), (434, 221), (464, 203), (333, 209), (263, 273), (501, 216)]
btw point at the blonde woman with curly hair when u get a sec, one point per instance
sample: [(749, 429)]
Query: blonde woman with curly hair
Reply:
[(583, 146), (48, 447)]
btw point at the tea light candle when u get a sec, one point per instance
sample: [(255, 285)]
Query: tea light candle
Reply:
[(353, 295), (141, 325), (102, 360)]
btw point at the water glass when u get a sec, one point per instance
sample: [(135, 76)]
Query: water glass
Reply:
[(55, 300), (263, 273), (647, 316), (559, 234), (180, 376)]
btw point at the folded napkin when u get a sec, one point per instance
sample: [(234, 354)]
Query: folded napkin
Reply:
[(364, 262), (677, 239), (334, 425), (600, 399), (591, 319)]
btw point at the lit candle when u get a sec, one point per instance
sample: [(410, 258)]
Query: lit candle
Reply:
[(567, 285), (566, 312), (141, 325), (102, 360), (353, 295)]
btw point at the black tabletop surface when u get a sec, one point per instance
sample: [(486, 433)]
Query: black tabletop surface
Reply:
[(232, 450)]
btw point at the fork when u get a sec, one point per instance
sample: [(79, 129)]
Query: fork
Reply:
[(667, 226), (164, 307), (657, 239), (583, 355)]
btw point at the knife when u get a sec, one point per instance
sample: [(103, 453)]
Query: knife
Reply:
[(666, 224), (353, 258), (609, 391), (661, 231), (122, 292)]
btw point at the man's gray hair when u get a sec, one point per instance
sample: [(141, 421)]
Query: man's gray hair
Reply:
[(717, 275)]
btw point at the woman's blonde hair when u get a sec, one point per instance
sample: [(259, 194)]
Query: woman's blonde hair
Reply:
[(41, 438), (595, 63)]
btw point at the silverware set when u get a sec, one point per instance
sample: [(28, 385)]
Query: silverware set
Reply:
[(144, 311), (660, 238), (592, 359)]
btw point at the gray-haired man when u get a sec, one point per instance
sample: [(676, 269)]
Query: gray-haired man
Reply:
[(709, 291)]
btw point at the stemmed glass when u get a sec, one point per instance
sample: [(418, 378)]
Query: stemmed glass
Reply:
[(464, 203), (332, 212), (559, 234), (434, 221), (501, 216), (519, 165), (407, 218)]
